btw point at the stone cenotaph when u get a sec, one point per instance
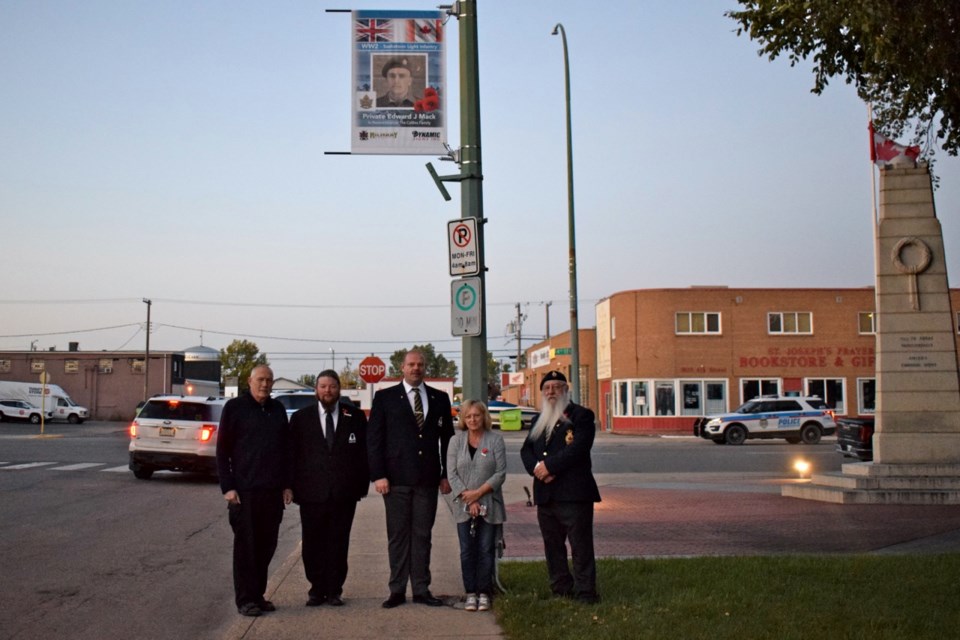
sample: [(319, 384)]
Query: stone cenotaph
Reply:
[(916, 444)]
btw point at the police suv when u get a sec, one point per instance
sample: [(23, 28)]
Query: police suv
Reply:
[(175, 433), (795, 419)]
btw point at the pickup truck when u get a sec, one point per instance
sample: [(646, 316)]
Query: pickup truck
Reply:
[(855, 438)]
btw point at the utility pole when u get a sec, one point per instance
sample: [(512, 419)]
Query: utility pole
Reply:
[(519, 335), (146, 359), (547, 305), (468, 157)]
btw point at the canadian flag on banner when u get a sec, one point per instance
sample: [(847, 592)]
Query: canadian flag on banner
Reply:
[(885, 151)]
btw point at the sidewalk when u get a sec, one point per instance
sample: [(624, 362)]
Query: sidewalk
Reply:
[(642, 515), (366, 588)]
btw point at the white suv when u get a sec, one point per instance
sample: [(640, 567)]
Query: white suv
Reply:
[(175, 433), (795, 419)]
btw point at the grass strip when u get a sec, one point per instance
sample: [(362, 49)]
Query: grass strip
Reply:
[(784, 597)]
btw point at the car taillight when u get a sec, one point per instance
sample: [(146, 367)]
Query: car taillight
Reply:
[(866, 433), (133, 429), (206, 432), (832, 414)]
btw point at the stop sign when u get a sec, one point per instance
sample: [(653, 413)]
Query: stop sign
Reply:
[(372, 369)]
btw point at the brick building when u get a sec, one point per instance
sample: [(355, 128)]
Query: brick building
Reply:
[(658, 358), (554, 354), (111, 383)]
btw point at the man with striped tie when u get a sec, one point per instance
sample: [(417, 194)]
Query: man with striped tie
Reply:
[(407, 436)]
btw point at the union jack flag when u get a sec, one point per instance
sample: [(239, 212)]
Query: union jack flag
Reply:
[(374, 30)]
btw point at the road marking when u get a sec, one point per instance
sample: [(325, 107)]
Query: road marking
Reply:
[(122, 469), (27, 465), (78, 466)]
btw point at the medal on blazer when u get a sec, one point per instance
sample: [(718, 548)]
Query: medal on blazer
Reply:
[(569, 437)]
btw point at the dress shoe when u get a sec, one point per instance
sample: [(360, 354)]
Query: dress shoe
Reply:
[(428, 599), (395, 600), (335, 601), (251, 609), (316, 601), (266, 605)]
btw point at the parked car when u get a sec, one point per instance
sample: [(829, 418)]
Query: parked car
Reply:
[(528, 415), (295, 400), (21, 410), (855, 438), (175, 433), (793, 418)]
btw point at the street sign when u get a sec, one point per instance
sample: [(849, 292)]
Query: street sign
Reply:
[(372, 369), (465, 307), (563, 351), (462, 241)]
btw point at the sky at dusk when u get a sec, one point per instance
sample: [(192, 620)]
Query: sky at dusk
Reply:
[(175, 151)]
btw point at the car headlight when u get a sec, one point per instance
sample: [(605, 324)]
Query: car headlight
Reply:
[(713, 424)]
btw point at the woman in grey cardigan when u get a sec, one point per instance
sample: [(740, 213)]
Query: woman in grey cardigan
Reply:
[(476, 469)]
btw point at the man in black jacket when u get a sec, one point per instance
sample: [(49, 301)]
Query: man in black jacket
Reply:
[(410, 427), (253, 457), (557, 454), (330, 476)]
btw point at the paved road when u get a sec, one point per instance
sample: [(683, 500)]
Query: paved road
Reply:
[(88, 551)]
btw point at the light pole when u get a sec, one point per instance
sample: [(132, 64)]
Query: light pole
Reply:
[(574, 324)]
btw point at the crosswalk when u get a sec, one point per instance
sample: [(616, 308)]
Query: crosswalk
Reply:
[(59, 466)]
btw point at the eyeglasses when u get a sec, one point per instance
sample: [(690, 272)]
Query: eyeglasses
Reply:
[(554, 386)]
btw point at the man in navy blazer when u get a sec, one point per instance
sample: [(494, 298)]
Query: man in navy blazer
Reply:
[(557, 454), (330, 476), (410, 427)]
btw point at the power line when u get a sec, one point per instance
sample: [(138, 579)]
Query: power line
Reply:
[(63, 333)]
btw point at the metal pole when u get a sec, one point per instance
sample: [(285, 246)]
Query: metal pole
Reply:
[(146, 359), (475, 377), (574, 324)]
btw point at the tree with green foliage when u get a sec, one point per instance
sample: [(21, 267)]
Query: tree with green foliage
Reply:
[(350, 377), (308, 380), (494, 369), (437, 365), (903, 57), (239, 359)]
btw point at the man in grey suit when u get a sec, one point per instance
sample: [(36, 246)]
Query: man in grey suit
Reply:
[(407, 436)]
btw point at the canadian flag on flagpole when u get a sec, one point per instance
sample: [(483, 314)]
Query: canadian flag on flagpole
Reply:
[(885, 151)]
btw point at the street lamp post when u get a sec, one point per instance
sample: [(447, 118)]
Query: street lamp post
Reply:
[(574, 324)]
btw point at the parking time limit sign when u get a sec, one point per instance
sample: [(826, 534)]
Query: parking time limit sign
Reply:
[(465, 307)]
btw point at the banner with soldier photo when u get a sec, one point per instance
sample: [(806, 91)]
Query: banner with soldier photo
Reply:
[(400, 85)]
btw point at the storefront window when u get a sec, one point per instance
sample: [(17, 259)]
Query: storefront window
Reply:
[(620, 408), (666, 401), (867, 388), (751, 388), (830, 390), (692, 398), (640, 405)]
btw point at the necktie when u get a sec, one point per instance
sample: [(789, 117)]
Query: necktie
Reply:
[(417, 406), (330, 430)]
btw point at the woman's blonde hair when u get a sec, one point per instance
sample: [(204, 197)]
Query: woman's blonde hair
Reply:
[(466, 406)]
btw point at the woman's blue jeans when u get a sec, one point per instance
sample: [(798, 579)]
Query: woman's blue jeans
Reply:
[(477, 555)]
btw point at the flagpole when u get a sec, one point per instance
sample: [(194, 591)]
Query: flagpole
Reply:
[(876, 218)]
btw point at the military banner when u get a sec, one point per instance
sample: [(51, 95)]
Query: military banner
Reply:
[(399, 76)]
